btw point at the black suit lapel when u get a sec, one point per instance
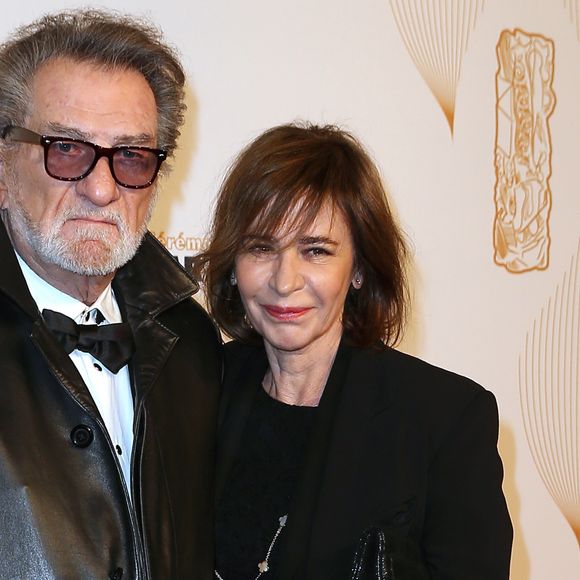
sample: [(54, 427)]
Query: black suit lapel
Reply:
[(324, 510), (345, 414), (308, 490), (240, 388)]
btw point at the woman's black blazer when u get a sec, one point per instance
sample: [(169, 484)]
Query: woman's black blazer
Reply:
[(399, 445)]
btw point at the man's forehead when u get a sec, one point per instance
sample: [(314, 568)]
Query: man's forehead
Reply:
[(60, 130), (81, 99)]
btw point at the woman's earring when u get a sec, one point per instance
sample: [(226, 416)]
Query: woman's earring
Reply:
[(233, 279), (357, 282)]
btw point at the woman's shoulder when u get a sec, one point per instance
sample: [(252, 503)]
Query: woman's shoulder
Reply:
[(434, 400), (407, 377)]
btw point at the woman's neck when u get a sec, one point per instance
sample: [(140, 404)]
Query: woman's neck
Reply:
[(299, 377)]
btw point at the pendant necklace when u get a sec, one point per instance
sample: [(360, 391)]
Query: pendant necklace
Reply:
[(263, 566)]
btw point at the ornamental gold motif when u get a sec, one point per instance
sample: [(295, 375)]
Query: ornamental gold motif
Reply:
[(436, 34), (523, 150), (549, 380)]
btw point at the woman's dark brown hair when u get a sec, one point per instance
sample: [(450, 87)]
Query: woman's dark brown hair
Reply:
[(311, 166)]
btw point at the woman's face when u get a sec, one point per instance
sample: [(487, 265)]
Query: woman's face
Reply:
[(293, 286)]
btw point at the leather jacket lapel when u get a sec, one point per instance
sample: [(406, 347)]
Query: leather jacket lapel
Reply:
[(12, 282), (239, 391), (62, 366), (13, 285), (167, 286), (153, 345)]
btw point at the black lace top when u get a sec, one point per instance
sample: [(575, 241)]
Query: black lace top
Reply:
[(260, 486)]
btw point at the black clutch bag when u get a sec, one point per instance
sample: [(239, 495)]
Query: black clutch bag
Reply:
[(380, 556)]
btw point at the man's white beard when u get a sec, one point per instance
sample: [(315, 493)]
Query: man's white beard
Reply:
[(78, 254)]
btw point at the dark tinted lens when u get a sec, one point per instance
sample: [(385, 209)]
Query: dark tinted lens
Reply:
[(69, 159), (135, 166)]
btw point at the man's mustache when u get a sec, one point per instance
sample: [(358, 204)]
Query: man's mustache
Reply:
[(105, 215)]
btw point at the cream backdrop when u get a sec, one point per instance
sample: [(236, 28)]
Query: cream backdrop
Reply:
[(416, 81)]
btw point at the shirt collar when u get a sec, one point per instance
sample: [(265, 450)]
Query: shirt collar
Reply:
[(47, 296)]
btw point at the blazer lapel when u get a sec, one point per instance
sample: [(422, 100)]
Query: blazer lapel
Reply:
[(308, 490), (344, 414), (240, 388), (364, 405), (323, 509)]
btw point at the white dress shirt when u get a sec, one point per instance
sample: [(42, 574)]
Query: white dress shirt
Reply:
[(111, 392)]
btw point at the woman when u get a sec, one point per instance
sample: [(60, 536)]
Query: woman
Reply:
[(337, 452)]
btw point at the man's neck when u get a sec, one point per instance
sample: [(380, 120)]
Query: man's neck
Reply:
[(86, 289)]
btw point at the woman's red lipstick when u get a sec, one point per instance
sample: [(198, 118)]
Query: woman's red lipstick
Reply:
[(284, 313)]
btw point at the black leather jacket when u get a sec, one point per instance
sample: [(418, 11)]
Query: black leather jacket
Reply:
[(64, 508)]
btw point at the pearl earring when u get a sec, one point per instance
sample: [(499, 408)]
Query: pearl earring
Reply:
[(233, 279)]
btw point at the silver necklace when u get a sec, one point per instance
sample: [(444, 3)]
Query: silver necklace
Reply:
[(264, 566)]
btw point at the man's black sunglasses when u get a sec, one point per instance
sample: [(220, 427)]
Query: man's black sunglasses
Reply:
[(73, 159)]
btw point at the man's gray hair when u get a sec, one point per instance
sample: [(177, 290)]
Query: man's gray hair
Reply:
[(107, 39)]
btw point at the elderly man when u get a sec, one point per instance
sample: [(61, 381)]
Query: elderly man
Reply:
[(109, 371)]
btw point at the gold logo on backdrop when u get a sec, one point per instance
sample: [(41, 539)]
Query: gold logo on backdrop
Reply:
[(182, 246), (549, 380), (523, 150), (436, 33), (181, 242)]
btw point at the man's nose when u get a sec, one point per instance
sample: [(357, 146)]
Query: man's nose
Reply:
[(99, 186), (287, 276)]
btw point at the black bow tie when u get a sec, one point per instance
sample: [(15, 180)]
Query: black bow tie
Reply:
[(112, 344)]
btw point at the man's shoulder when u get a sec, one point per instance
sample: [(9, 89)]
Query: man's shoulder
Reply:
[(153, 279), (189, 313), (154, 285)]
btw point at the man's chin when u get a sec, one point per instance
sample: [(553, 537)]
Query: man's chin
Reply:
[(89, 255), (91, 258), (89, 265)]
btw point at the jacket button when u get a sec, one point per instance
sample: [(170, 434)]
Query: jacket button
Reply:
[(81, 436), (117, 574)]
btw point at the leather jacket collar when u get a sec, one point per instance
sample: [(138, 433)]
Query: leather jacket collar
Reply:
[(149, 283)]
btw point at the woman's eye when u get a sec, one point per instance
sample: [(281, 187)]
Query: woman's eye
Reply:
[(259, 249), (317, 251)]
